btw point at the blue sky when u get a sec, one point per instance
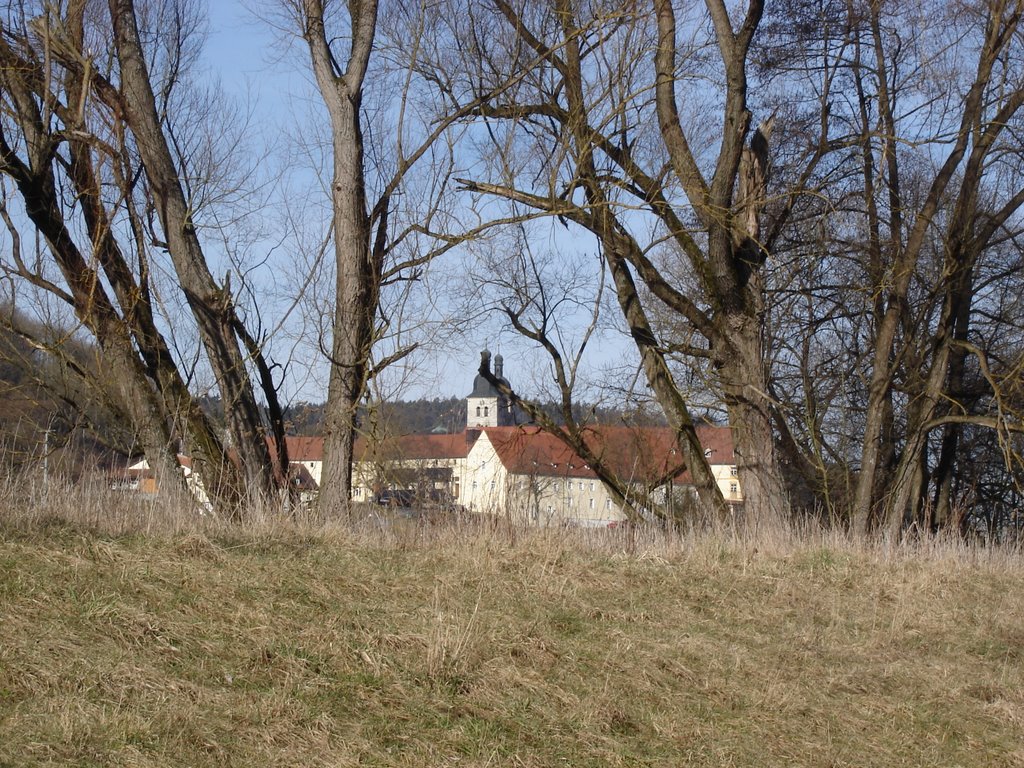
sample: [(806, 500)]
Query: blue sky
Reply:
[(256, 67)]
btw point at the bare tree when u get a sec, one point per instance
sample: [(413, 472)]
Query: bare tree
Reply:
[(374, 247), (831, 245), (921, 188), (110, 136), (586, 107)]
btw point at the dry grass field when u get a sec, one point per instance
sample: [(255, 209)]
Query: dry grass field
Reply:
[(139, 638)]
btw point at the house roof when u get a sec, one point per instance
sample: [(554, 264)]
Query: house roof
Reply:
[(416, 447), (648, 454), (301, 478), (302, 448)]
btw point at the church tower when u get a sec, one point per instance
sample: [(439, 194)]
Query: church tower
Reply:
[(486, 406)]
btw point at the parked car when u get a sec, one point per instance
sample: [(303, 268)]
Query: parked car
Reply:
[(395, 498)]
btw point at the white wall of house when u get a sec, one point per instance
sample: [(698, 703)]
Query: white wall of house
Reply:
[(482, 412), (315, 469), (192, 481), (484, 479), (367, 475), (728, 482), (547, 499), (544, 497)]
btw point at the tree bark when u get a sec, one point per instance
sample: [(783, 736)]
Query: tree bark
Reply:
[(132, 394), (211, 304), (358, 262)]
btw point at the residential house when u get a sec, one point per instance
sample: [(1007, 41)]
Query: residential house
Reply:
[(140, 478), (496, 466), (534, 477), (432, 466)]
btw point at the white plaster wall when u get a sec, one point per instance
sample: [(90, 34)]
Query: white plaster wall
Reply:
[(490, 420), (315, 469), (727, 481), (484, 479), (549, 500), (364, 475)]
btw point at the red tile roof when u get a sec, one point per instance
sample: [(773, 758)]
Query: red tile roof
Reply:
[(648, 454), (302, 448), (417, 447)]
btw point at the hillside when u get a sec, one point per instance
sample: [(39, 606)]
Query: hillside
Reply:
[(420, 647), (41, 413)]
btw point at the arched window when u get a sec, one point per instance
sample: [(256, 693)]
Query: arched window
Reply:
[(478, 410), (486, 409)]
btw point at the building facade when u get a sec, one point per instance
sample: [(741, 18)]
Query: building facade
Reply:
[(486, 406), (518, 471)]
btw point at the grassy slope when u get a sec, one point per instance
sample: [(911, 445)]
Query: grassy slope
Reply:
[(281, 650)]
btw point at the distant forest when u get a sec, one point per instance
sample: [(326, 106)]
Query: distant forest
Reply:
[(444, 415)]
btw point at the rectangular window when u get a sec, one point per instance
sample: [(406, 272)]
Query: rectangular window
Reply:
[(581, 485), (492, 484), (733, 488), (607, 503), (591, 485), (591, 503), (733, 471), (474, 485)]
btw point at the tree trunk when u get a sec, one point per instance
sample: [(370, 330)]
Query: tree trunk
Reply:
[(356, 298), (132, 393), (211, 305), (660, 380), (358, 265), (744, 386)]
